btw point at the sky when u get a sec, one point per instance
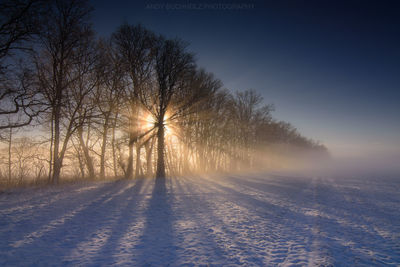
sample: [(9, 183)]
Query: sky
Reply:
[(330, 68)]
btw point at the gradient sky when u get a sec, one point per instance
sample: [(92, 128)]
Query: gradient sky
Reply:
[(332, 69)]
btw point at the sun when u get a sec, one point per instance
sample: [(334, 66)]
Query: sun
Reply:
[(149, 122)]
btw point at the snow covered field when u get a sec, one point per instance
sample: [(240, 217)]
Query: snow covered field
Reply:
[(254, 220)]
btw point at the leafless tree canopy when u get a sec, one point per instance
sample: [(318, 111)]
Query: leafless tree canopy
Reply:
[(133, 105)]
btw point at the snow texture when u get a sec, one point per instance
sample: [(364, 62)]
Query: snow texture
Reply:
[(253, 220)]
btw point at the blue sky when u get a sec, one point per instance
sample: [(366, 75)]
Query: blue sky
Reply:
[(330, 68)]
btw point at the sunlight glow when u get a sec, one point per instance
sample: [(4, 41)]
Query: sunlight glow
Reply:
[(168, 130), (149, 122), (167, 124)]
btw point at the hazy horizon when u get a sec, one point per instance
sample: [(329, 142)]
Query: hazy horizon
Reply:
[(329, 68)]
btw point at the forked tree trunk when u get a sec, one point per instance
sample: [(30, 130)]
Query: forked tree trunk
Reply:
[(81, 165), (59, 157), (88, 158)]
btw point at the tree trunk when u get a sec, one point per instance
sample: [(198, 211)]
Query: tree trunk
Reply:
[(51, 149), (149, 148), (58, 154), (56, 160), (185, 160), (103, 148), (81, 166), (160, 173), (56, 169), (9, 156), (88, 158), (114, 125), (137, 169), (129, 169)]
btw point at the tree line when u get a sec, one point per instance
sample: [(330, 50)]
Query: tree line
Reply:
[(134, 104)]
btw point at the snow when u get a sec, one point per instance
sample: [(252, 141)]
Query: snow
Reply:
[(252, 220)]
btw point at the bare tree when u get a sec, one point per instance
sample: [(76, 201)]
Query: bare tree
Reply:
[(108, 97), (64, 33), (135, 46), (172, 64)]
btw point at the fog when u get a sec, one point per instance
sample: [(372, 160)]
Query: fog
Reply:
[(369, 165)]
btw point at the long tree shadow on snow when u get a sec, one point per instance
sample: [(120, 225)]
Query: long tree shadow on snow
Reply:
[(75, 221), (157, 242)]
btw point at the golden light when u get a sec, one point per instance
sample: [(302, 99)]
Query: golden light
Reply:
[(167, 124), (168, 130), (149, 122)]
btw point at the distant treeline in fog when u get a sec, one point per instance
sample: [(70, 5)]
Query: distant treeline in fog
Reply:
[(134, 104)]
